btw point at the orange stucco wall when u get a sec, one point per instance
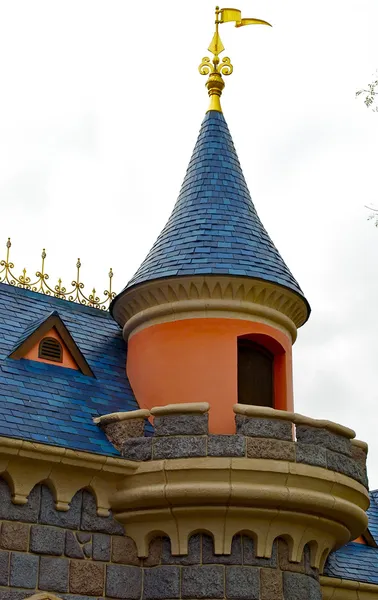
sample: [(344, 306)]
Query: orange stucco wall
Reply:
[(360, 540), (67, 361), (195, 360)]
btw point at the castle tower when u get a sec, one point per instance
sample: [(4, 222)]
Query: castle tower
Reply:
[(213, 310), (234, 495)]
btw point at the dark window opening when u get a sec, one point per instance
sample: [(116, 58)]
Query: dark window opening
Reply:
[(255, 374), (50, 349)]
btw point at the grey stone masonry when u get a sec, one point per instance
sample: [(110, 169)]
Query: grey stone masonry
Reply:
[(101, 547), (23, 570), (257, 437), (4, 568), (192, 558), (123, 582), (179, 447), (226, 445), (137, 449), (243, 583), (162, 583), (297, 586), (73, 548), (90, 521), (202, 582), (209, 557), (250, 558), (99, 561), (29, 513), (50, 516), (53, 574), (311, 454), (264, 428), (268, 448), (181, 424), (47, 540), (347, 466), (324, 438)]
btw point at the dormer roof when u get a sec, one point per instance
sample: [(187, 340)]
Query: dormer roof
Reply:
[(37, 330)]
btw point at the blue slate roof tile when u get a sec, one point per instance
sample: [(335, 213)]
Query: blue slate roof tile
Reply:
[(358, 562), (214, 210), (373, 515), (52, 404)]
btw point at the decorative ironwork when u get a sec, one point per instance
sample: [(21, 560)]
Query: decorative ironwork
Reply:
[(215, 67), (40, 285)]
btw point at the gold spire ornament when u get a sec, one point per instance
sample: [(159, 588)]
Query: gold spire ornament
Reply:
[(216, 68)]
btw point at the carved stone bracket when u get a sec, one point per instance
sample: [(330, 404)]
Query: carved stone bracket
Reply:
[(225, 496), (24, 464)]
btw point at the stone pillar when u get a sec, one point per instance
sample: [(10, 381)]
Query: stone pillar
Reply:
[(251, 515)]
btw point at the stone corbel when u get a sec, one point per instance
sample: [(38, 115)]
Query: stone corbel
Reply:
[(25, 464)]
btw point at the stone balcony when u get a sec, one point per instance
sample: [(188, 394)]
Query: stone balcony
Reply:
[(281, 475)]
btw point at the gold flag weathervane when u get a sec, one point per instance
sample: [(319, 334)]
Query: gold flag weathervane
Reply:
[(216, 68)]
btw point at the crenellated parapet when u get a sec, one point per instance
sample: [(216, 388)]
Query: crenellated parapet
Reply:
[(280, 475), (181, 431)]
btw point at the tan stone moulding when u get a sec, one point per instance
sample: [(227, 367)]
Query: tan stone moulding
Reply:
[(225, 496), (189, 408), (165, 300), (25, 464), (344, 589), (360, 444), (122, 416), (120, 426), (263, 412)]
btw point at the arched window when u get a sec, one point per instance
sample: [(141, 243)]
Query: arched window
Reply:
[(50, 349), (255, 374)]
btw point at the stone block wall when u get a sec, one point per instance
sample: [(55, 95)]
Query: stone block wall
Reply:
[(73, 554), (79, 556), (240, 575)]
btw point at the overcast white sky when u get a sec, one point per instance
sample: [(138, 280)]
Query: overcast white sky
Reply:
[(101, 103)]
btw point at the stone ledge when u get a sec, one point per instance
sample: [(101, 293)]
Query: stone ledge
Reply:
[(122, 416), (344, 589), (263, 412), (361, 445), (186, 408), (295, 418), (306, 504)]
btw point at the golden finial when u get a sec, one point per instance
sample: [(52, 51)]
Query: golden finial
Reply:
[(216, 68)]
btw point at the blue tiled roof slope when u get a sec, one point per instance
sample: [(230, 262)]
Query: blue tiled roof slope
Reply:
[(373, 515), (52, 404), (31, 329), (214, 227), (357, 562)]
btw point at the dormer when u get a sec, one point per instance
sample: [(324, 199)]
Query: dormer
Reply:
[(49, 341)]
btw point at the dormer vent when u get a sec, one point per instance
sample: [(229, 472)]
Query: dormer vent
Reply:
[(50, 349)]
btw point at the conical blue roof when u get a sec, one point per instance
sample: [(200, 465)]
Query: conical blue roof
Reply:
[(214, 227)]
